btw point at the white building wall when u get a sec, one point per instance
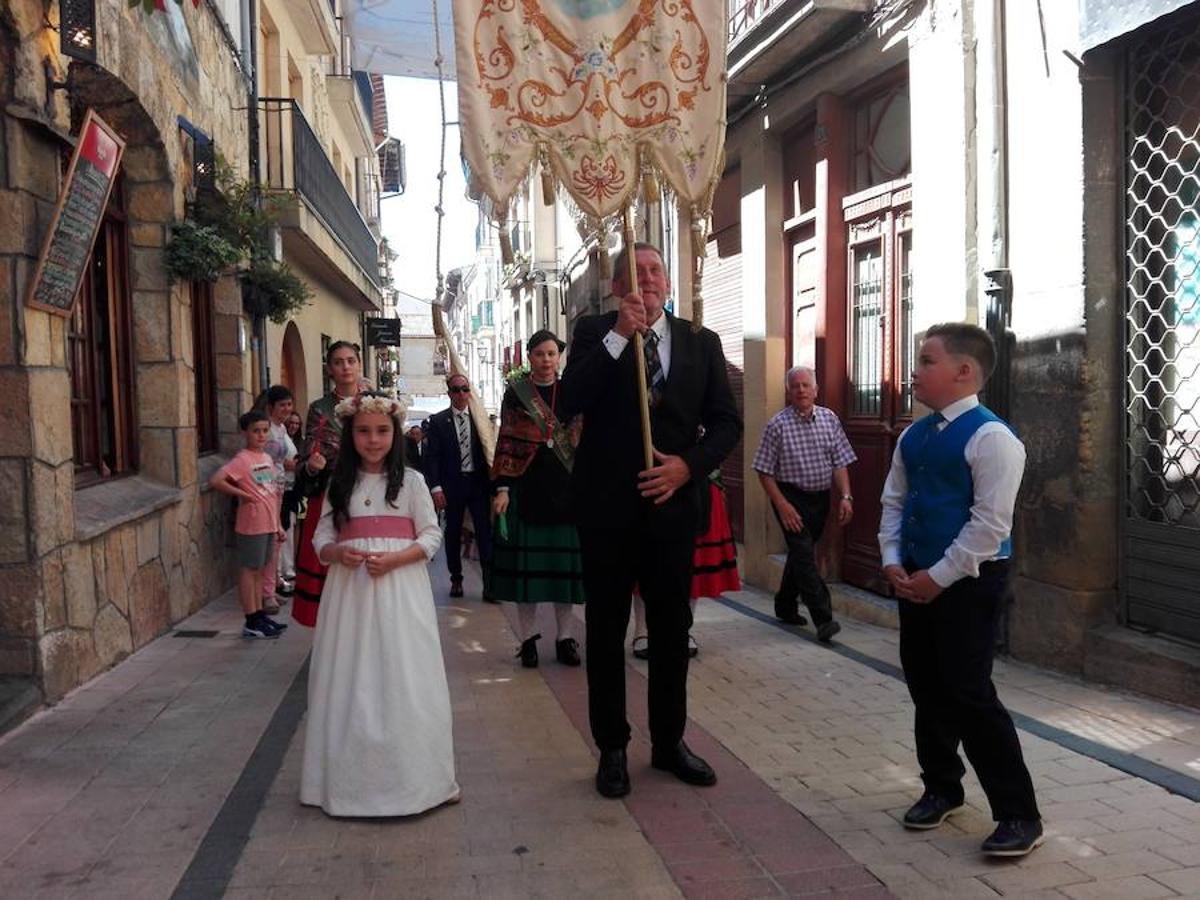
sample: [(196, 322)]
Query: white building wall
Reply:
[(1045, 149), (941, 90)]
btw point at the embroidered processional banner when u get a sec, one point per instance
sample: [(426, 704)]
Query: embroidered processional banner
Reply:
[(594, 89)]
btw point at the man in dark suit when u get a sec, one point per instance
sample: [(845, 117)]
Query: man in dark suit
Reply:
[(413, 451), (638, 525), (457, 473)]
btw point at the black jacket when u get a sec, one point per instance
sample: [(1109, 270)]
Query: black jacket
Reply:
[(697, 393), (441, 461)]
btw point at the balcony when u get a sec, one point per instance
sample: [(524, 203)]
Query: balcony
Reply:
[(350, 96), (315, 24), (324, 217), (768, 36)]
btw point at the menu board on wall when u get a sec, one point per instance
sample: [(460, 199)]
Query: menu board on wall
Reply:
[(77, 218)]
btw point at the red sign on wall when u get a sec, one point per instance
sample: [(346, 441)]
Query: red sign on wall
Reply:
[(77, 218)]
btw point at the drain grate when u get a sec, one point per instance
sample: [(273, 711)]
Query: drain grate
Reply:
[(196, 633)]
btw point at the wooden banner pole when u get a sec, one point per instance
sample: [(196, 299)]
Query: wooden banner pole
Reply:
[(639, 352)]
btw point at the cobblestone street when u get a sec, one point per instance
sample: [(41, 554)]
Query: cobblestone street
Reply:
[(176, 774)]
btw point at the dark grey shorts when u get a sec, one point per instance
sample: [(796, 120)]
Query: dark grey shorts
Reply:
[(254, 550)]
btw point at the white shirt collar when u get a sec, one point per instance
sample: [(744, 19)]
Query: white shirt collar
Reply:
[(661, 326), (958, 407), (461, 412)]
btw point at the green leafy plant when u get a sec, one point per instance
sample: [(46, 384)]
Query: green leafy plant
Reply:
[(274, 289), (516, 373), (242, 213), (198, 252)]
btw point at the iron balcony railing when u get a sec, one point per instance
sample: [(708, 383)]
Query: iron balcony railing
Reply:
[(744, 15), (296, 161)]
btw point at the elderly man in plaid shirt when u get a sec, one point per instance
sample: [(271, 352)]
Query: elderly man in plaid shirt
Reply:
[(803, 450)]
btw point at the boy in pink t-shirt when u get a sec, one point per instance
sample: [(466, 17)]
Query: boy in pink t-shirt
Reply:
[(250, 476)]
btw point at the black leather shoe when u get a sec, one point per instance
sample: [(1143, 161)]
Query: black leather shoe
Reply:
[(456, 587), (684, 765), (826, 632), (612, 777), (566, 651), (930, 812), (1014, 837), (528, 652), (788, 614)]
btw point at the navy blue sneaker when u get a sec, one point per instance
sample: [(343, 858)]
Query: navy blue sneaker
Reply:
[(1014, 837), (930, 812)]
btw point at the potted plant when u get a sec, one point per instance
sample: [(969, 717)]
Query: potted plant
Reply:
[(273, 289), (198, 252)]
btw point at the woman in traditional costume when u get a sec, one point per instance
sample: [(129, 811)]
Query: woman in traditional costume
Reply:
[(535, 556), (378, 736), (323, 435)]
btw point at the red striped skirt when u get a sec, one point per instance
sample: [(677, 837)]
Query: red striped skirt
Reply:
[(310, 574), (714, 564)]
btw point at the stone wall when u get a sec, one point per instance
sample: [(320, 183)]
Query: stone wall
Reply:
[(88, 576)]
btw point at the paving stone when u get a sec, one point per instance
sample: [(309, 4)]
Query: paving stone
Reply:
[(1136, 887), (1185, 881)]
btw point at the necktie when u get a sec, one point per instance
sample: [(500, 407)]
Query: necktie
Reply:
[(655, 380), (464, 443)]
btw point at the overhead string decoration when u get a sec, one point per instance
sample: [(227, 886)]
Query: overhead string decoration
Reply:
[(548, 192)]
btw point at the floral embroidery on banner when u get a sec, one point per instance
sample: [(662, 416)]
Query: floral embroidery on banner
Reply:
[(590, 81)]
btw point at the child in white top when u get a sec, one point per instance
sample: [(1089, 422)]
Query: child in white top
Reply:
[(379, 739)]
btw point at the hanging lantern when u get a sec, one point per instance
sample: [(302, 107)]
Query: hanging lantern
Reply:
[(77, 29)]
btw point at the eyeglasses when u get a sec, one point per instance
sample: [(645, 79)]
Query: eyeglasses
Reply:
[(460, 390)]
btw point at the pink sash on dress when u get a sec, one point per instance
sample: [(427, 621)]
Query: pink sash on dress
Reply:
[(377, 527)]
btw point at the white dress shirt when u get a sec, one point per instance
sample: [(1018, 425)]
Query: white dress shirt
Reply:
[(996, 458), (616, 344)]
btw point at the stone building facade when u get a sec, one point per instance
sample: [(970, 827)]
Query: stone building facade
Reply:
[(108, 534)]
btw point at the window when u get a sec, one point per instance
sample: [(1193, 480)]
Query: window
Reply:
[(204, 361), (866, 316), (882, 347), (882, 144), (100, 349)]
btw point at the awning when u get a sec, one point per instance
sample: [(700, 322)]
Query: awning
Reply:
[(1100, 21), (395, 37)]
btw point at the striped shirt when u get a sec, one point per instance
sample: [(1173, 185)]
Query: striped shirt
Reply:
[(803, 451)]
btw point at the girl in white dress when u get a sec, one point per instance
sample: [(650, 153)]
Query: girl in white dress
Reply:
[(378, 740)]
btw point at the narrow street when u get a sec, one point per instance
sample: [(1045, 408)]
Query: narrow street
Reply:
[(177, 772)]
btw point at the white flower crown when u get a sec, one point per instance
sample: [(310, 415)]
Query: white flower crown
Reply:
[(371, 403)]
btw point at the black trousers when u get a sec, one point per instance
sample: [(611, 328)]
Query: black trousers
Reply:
[(801, 580), (946, 649), (613, 561), (472, 492)]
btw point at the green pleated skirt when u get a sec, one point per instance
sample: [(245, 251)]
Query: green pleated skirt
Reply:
[(535, 563)]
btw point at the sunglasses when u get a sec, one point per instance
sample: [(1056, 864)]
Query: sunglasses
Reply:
[(460, 390)]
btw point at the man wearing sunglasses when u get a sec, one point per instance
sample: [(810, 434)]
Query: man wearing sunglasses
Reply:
[(457, 473)]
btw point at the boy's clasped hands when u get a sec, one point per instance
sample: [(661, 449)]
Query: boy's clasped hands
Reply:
[(917, 587)]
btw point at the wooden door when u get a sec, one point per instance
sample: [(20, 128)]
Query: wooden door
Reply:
[(879, 361)]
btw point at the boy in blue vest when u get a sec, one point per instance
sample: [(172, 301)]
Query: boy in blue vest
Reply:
[(945, 539)]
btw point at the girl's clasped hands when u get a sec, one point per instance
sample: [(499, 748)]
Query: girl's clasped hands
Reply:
[(377, 563)]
